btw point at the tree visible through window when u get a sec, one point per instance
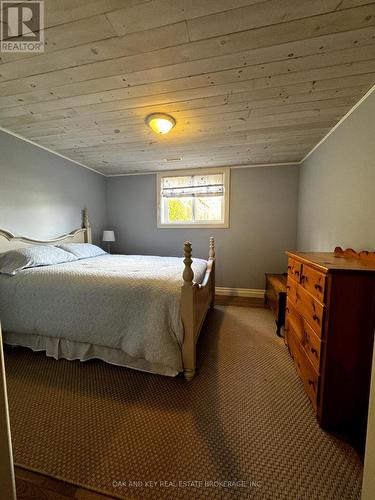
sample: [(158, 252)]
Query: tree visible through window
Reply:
[(179, 210), (195, 199)]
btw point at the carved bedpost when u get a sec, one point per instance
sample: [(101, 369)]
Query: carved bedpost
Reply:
[(84, 218), (188, 274), (211, 253), (188, 314), (85, 224), (195, 300), (212, 256)]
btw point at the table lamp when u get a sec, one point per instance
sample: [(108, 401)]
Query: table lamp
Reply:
[(109, 236)]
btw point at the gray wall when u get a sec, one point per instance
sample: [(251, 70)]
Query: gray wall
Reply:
[(41, 194), (263, 222), (337, 187)]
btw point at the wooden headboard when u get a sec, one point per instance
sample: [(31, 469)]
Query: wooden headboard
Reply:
[(9, 241)]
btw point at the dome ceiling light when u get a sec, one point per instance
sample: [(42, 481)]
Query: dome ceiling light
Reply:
[(160, 123)]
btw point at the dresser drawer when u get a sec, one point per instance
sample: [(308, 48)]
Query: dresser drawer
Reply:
[(294, 320), (313, 281), (304, 368), (311, 310), (305, 334), (312, 345), (291, 290), (294, 269)]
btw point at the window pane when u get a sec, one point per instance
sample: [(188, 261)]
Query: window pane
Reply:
[(193, 197), (209, 208), (179, 209)]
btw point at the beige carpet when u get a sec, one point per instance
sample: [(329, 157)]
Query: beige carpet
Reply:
[(245, 419)]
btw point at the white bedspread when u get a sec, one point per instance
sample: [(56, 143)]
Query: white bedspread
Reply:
[(127, 303)]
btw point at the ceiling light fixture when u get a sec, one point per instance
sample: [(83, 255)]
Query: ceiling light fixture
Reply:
[(160, 123)]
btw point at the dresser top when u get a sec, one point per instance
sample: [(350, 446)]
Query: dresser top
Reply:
[(331, 262)]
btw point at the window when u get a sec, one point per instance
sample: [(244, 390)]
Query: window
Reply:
[(194, 198)]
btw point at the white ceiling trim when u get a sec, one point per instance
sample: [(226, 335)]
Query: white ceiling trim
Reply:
[(280, 164)]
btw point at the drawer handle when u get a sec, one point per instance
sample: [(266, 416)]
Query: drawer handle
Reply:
[(296, 272), (318, 287), (314, 351), (311, 382), (316, 318), (287, 287), (304, 278)]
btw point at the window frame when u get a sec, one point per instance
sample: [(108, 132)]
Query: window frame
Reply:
[(195, 171)]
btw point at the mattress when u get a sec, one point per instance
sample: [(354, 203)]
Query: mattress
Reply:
[(120, 308)]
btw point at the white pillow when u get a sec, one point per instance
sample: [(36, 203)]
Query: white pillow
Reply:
[(24, 258), (82, 250)]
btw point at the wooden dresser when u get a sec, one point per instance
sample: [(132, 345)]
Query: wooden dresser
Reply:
[(329, 330)]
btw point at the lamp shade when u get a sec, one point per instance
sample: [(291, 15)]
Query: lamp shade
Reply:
[(109, 236)]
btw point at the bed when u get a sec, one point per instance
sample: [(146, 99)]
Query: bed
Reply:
[(142, 312)]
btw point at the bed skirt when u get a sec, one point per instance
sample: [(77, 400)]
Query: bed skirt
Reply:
[(59, 348)]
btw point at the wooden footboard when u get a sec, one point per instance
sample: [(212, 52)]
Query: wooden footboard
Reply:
[(196, 298)]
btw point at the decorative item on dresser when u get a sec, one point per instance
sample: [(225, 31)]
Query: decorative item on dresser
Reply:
[(329, 329), (275, 298)]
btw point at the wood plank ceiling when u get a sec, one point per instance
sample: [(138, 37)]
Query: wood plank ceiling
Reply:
[(248, 81)]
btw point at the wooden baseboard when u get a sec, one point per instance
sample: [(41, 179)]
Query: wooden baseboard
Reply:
[(255, 293), (227, 300), (243, 297)]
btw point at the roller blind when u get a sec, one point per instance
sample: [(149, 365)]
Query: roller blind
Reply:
[(192, 185)]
